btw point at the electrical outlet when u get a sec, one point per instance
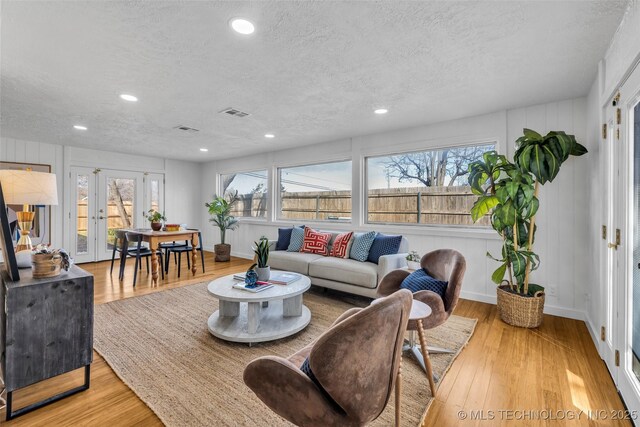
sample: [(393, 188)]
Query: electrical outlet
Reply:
[(551, 291)]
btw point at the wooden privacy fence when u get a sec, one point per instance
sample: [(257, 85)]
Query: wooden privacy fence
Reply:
[(414, 205), (113, 218)]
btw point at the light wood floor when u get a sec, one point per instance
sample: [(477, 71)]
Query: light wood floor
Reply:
[(561, 370)]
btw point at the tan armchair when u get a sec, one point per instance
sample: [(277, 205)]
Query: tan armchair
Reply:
[(443, 264), (356, 362)]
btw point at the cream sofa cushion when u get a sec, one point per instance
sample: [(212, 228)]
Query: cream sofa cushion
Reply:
[(292, 261), (345, 270)]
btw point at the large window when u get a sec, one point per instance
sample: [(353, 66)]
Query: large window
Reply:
[(426, 187), (252, 192), (316, 192)]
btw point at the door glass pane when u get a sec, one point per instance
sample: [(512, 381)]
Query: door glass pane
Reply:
[(155, 195), (121, 194), (82, 200), (635, 306)]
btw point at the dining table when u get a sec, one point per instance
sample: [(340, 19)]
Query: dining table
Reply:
[(154, 238)]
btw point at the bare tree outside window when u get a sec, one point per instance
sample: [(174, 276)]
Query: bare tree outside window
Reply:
[(252, 193), (427, 187)]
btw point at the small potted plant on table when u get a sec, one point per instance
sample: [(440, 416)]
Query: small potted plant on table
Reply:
[(261, 250), (220, 211), (155, 218), (413, 260)]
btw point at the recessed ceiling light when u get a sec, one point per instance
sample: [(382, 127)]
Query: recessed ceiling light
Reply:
[(269, 135), (79, 127), (204, 150), (128, 97), (381, 111), (242, 26)]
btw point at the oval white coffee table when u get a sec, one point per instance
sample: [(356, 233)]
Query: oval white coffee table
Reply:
[(268, 315)]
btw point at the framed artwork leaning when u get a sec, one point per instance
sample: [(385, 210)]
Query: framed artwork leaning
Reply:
[(41, 230), (6, 243)]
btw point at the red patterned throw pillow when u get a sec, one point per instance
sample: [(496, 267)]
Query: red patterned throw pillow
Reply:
[(315, 242), (341, 245)]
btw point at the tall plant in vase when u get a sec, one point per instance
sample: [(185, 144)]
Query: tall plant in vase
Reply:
[(220, 211), (508, 192)]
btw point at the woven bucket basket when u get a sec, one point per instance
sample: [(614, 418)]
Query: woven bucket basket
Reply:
[(518, 310), (45, 265)]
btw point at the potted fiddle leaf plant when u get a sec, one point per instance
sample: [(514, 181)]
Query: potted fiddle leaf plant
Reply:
[(261, 250), (155, 218), (508, 192), (220, 210)]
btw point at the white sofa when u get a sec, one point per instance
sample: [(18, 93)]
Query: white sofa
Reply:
[(343, 274)]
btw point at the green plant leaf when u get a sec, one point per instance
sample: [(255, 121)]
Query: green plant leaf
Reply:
[(532, 134), (506, 213), (530, 208), (495, 259), (498, 275), (512, 188), (483, 206), (578, 150), (533, 288)]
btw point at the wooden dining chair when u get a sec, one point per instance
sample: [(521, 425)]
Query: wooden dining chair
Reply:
[(138, 251)]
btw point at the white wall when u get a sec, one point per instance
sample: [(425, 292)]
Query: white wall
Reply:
[(623, 52), (182, 179), (561, 241)]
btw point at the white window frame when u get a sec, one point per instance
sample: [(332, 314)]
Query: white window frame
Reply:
[(365, 180), (268, 171), (278, 194)]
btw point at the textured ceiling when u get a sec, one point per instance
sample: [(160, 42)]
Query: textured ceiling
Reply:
[(312, 71)]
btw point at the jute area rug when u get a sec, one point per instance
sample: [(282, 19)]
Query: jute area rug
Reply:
[(159, 345)]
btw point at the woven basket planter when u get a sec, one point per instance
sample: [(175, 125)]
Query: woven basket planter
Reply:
[(45, 265), (518, 310), (223, 252)]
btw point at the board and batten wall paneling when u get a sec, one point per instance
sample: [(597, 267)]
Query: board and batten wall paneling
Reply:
[(15, 150), (595, 210), (562, 242), (182, 193)]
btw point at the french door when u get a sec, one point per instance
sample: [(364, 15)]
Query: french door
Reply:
[(104, 200), (611, 234), (621, 350)]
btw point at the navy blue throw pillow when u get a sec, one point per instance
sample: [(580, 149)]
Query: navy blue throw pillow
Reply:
[(383, 245), (284, 238), (419, 280), (306, 369)]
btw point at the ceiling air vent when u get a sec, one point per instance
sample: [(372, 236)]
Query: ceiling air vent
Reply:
[(234, 112), (186, 129)]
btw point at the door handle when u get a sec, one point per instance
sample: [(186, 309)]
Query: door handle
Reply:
[(613, 246)]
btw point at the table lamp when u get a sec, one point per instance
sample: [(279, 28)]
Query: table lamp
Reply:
[(27, 188)]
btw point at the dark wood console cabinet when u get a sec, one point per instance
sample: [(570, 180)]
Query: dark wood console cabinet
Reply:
[(46, 329)]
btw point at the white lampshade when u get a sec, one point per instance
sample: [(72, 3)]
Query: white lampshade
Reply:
[(22, 187)]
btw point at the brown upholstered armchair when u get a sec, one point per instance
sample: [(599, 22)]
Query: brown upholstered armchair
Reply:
[(443, 264), (355, 364)]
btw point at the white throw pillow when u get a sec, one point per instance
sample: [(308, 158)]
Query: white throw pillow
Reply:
[(23, 258)]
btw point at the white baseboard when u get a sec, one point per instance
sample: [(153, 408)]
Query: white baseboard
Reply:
[(245, 255), (548, 309), (475, 296), (594, 332)]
